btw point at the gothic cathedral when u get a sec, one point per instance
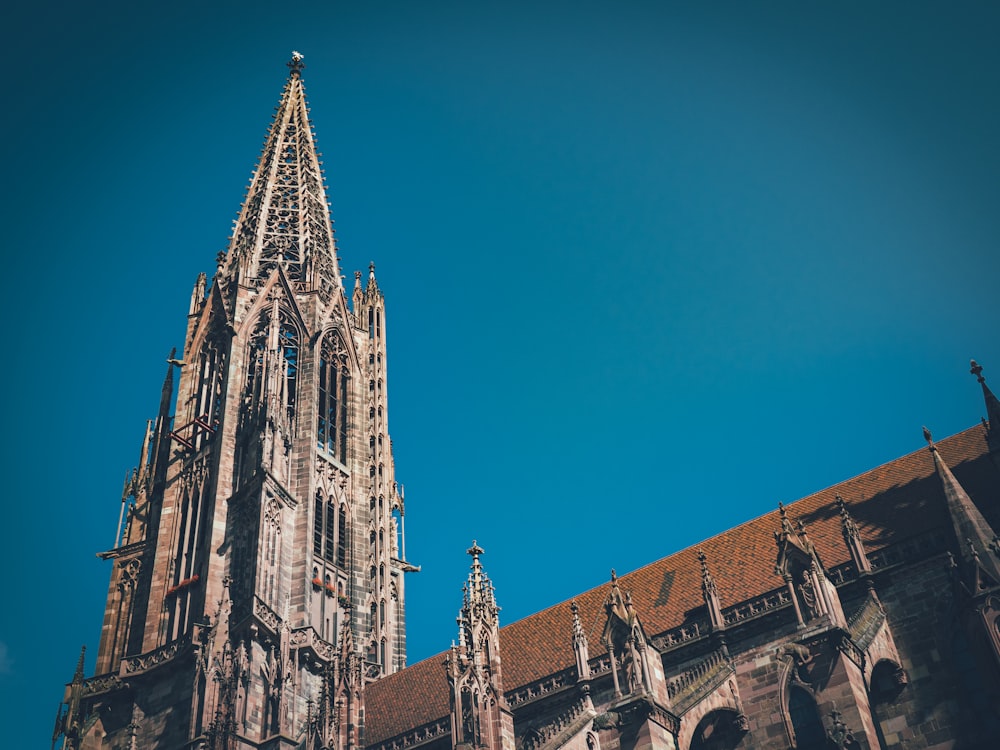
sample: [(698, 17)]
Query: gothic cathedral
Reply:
[(257, 598)]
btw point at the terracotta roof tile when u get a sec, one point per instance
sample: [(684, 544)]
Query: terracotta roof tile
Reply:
[(890, 503)]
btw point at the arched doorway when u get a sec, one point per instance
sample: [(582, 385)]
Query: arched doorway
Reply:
[(718, 730)]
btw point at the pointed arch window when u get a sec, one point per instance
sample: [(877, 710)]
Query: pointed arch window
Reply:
[(806, 722), (331, 425), (211, 377), (342, 537), (288, 348), (326, 539), (280, 359), (318, 526), (328, 552), (256, 360)]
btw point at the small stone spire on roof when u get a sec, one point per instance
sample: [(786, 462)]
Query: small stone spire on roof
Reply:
[(787, 533), (852, 537), (976, 539), (578, 632), (580, 645), (711, 594), (786, 525), (357, 297), (802, 533), (992, 403)]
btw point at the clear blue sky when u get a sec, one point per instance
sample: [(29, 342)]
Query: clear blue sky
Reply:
[(650, 267)]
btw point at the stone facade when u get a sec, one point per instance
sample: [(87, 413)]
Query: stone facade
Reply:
[(257, 600)]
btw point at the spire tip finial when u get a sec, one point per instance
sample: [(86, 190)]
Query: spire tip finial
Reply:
[(295, 64), (929, 438), (977, 370)]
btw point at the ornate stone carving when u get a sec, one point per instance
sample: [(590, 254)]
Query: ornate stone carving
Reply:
[(151, 659), (566, 722), (267, 616), (696, 682)]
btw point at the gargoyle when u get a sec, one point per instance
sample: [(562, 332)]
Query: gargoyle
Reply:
[(607, 720)]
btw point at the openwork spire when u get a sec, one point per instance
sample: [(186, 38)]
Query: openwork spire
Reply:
[(285, 221)]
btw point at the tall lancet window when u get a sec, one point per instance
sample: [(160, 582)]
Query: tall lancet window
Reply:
[(328, 531), (256, 362), (331, 425), (288, 359), (211, 376)]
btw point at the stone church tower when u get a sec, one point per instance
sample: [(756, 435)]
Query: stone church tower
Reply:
[(257, 581)]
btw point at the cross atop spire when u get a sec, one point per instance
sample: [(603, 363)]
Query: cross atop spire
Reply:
[(285, 221)]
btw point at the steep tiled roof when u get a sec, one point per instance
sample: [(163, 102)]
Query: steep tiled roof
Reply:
[(896, 501)]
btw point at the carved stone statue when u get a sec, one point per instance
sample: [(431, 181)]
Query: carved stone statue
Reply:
[(807, 595)]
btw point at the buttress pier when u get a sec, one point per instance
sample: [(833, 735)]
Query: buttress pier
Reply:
[(257, 580)]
